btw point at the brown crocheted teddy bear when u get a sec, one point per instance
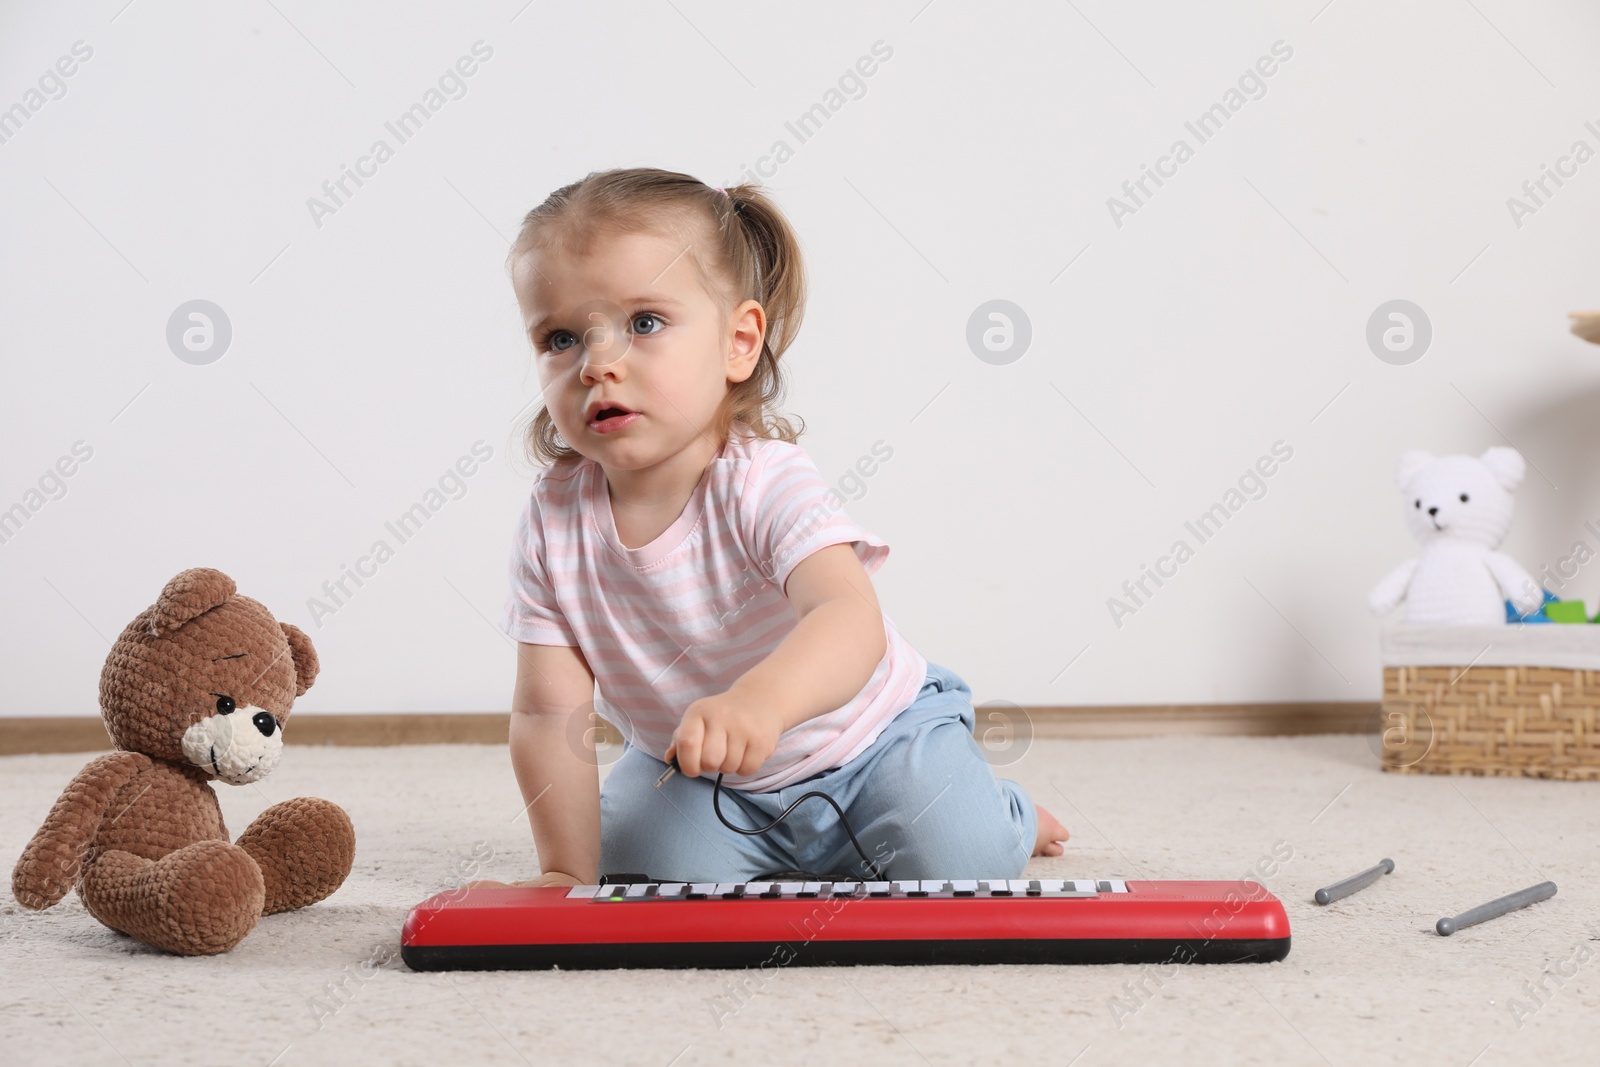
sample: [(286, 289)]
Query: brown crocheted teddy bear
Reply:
[(197, 687)]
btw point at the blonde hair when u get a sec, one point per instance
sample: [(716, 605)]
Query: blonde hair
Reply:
[(752, 254)]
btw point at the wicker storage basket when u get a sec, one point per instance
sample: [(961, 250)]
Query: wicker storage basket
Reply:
[(1502, 700)]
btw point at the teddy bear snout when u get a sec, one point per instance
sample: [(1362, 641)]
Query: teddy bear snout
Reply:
[(238, 744), (263, 720)]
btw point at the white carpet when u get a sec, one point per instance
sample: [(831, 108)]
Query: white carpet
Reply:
[(1367, 980)]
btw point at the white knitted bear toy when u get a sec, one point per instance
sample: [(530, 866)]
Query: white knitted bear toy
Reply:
[(1460, 509)]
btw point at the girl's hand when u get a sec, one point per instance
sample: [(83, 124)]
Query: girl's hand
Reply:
[(724, 733)]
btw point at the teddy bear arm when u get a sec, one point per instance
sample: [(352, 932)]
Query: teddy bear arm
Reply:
[(1517, 584), (1388, 593), (50, 865)]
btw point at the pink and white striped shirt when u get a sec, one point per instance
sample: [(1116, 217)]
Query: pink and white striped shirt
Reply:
[(686, 615)]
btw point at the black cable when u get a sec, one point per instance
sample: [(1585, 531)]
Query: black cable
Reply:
[(716, 796)]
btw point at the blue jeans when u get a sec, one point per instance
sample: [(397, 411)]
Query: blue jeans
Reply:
[(922, 800)]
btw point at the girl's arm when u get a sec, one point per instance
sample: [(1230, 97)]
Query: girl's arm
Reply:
[(833, 649), (820, 664), (554, 760)]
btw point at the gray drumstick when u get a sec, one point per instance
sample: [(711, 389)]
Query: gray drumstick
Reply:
[(1354, 882), (1495, 908)]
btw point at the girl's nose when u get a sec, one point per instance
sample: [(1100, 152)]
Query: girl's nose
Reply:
[(607, 363)]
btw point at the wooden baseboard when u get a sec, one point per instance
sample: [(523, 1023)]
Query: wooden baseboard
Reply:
[(85, 733), (1155, 720)]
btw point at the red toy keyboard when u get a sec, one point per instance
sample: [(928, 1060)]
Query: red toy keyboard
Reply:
[(742, 924)]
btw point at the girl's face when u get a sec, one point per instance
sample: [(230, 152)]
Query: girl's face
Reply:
[(635, 357)]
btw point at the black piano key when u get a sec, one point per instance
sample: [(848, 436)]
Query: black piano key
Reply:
[(773, 890), (1034, 888), (1103, 886)]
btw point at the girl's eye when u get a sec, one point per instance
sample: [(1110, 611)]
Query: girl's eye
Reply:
[(645, 316), (1463, 498), (554, 341)]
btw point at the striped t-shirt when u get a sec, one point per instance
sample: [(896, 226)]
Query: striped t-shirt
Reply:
[(686, 615)]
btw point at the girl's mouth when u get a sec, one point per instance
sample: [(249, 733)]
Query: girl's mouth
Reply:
[(611, 419)]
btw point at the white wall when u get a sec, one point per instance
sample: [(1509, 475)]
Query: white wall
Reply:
[(372, 351)]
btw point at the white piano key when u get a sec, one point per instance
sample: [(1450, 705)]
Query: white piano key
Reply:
[(844, 888), (1017, 885), (755, 889), (931, 885), (703, 887), (672, 890), (726, 887), (789, 889), (583, 892), (1118, 885), (964, 885), (903, 886), (1053, 885), (874, 888), (637, 890), (811, 887)]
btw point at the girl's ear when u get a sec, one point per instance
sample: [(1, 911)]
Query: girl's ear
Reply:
[(749, 334)]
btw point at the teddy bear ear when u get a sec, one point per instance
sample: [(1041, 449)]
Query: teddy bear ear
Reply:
[(306, 665), (1412, 461), (191, 592), (1506, 464)]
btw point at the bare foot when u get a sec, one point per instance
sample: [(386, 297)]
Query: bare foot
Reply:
[(1051, 834)]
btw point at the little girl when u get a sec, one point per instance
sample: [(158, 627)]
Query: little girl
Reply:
[(681, 571)]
